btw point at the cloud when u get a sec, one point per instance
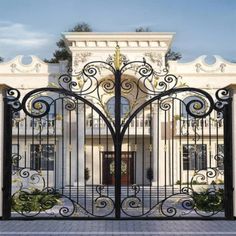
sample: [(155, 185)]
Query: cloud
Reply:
[(20, 38)]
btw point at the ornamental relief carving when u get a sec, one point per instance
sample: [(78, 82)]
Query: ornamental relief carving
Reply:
[(81, 57), (15, 68), (155, 58), (221, 68)]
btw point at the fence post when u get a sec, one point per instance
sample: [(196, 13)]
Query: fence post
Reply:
[(3, 89), (230, 153)]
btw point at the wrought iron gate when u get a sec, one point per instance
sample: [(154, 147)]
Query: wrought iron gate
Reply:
[(118, 140)]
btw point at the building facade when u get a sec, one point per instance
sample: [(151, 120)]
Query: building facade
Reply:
[(164, 147)]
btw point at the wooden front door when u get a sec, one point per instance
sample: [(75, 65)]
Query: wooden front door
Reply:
[(127, 168)]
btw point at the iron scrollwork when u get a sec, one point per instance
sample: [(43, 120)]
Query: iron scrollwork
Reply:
[(32, 198), (96, 81), (202, 200)]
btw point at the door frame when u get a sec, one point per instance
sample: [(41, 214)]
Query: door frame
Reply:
[(130, 169)]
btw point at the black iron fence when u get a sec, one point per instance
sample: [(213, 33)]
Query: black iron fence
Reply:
[(118, 140)]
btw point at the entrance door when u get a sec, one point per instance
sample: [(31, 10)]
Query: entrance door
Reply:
[(127, 168)]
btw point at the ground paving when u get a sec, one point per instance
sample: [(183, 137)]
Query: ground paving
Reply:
[(109, 227)]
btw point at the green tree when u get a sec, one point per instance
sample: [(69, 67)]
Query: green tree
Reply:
[(1, 59), (143, 29), (61, 53), (170, 55)]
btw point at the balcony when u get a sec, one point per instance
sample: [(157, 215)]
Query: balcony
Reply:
[(137, 126), (34, 127), (202, 127)]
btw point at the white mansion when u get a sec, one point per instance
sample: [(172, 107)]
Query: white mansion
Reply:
[(160, 147)]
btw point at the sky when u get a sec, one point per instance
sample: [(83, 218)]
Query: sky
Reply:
[(202, 27)]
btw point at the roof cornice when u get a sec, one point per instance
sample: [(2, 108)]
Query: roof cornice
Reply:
[(127, 41)]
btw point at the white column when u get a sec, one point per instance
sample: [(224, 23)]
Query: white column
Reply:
[(154, 145), (158, 148), (3, 87), (80, 154), (81, 147)]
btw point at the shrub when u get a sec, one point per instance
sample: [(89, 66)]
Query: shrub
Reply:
[(209, 200), (36, 200)]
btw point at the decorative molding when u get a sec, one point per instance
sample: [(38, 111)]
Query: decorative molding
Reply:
[(133, 42), (155, 57), (221, 68), (81, 58), (36, 66), (200, 66), (123, 44)]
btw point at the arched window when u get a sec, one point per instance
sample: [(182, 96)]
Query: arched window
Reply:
[(125, 106)]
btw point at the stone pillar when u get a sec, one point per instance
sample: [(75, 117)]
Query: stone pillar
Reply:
[(232, 88), (3, 88)]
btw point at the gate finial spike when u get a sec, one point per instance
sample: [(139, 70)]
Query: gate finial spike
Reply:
[(117, 57)]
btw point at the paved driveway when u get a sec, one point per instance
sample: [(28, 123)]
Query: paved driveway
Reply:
[(137, 227)]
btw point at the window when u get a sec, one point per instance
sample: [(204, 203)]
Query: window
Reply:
[(199, 111), (42, 156), (220, 156), (194, 157), (125, 107)]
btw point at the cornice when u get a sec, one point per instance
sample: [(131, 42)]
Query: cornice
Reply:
[(127, 41)]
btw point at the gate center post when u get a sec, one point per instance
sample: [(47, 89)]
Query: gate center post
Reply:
[(117, 143)]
